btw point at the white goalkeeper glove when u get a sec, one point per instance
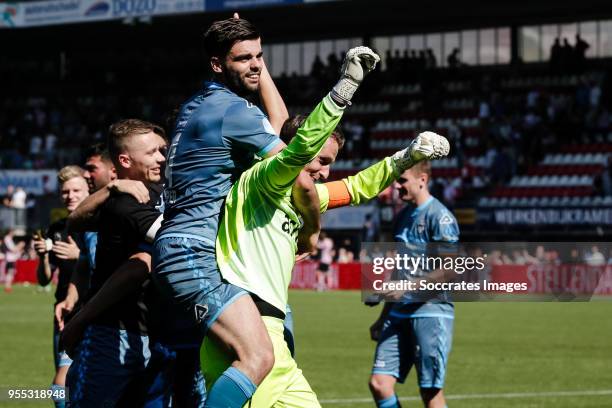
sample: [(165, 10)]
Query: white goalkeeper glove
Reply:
[(357, 63), (426, 146)]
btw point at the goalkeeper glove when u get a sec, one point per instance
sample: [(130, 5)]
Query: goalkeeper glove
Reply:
[(426, 146), (357, 63)]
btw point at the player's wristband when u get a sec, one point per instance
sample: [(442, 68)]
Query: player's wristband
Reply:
[(344, 90)]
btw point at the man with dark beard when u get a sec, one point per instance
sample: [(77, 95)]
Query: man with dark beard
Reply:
[(217, 134)]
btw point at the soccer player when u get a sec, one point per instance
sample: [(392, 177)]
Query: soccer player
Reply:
[(59, 253), (176, 334), (115, 349), (99, 168), (414, 332), (99, 172), (217, 134), (258, 232)]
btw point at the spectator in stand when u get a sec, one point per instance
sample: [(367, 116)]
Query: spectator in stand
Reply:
[(540, 255), (18, 202), (431, 61), (333, 66), (8, 196), (501, 168), (594, 94), (36, 145), (405, 62), (518, 258), (552, 257), (345, 256), (495, 257), (451, 192), (422, 61), (364, 257), (318, 68), (580, 49), (12, 253), (19, 198), (566, 56), (555, 54), (595, 257), (354, 140), (50, 142), (325, 246), (573, 258), (453, 59), (369, 231)]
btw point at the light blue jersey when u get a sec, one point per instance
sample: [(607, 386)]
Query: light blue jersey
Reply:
[(431, 222), (416, 332), (216, 137)]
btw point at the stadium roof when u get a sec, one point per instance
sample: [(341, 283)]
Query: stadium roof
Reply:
[(333, 19)]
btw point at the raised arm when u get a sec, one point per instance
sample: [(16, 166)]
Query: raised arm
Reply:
[(272, 101), (279, 172), (368, 183)]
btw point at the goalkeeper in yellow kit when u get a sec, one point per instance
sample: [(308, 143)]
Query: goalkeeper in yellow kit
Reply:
[(256, 243)]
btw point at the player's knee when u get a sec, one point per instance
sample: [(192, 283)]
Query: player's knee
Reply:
[(260, 362), (381, 387), (433, 397)]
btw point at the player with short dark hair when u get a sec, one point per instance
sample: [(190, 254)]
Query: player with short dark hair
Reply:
[(414, 332), (217, 134), (99, 168)]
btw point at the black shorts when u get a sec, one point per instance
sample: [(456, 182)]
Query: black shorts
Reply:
[(323, 267)]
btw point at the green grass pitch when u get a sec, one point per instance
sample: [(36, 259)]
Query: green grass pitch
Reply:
[(504, 354)]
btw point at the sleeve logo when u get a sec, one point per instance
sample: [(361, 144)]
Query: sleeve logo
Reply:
[(446, 220)]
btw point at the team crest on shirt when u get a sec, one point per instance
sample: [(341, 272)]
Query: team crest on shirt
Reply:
[(421, 227), (200, 312), (446, 220)]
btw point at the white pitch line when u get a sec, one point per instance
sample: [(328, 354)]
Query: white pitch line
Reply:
[(483, 396)]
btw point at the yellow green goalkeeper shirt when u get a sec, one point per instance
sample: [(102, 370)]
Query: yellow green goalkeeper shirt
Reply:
[(256, 243)]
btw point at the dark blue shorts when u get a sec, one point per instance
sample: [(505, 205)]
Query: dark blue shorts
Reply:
[(185, 270), (113, 366)]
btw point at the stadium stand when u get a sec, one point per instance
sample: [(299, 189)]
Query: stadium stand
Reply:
[(523, 134)]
